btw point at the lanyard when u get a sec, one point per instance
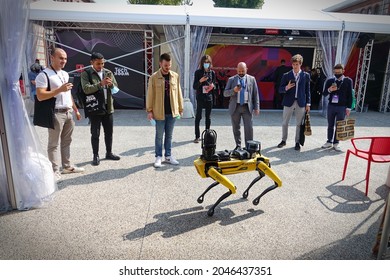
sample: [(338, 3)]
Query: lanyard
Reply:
[(62, 78)]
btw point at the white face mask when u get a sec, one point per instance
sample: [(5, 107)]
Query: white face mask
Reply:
[(114, 90)]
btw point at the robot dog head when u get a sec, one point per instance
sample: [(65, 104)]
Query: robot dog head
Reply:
[(209, 143), (253, 147)]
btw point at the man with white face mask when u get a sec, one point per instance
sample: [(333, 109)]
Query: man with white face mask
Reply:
[(339, 89), (244, 101)]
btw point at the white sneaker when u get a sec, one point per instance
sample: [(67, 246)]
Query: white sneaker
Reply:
[(327, 145), (336, 147), (72, 169), (157, 162), (57, 176), (171, 160)]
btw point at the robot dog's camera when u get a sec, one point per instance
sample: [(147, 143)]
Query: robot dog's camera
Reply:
[(253, 147)]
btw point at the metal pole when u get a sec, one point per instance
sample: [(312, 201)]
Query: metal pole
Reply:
[(340, 45), (188, 108), (187, 53), (7, 159)]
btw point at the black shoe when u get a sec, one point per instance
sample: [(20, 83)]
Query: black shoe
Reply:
[(96, 160), (112, 156), (281, 144), (238, 147), (297, 147)]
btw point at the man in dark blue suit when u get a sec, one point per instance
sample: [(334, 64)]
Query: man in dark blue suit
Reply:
[(339, 89), (295, 86)]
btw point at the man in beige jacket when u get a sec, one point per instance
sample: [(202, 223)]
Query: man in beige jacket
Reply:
[(164, 104)]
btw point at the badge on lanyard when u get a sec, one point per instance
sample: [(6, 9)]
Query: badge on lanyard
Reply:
[(335, 99)]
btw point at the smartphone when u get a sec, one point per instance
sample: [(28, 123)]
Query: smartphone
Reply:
[(292, 81), (334, 85), (71, 79)]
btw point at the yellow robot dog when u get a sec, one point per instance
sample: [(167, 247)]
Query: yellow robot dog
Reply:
[(217, 165)]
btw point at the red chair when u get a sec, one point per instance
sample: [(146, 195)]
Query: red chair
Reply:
[(378, 151)]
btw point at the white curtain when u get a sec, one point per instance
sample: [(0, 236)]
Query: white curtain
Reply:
[(329, 42), (173, 32), (200, 37), (32, 173)]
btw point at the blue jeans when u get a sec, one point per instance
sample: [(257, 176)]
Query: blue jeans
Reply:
[(166, 126), (335, 113)]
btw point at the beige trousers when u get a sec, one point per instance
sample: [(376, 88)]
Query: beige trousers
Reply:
[(61, 136)]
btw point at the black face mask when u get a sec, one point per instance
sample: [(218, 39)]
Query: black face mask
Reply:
[(338, 75), (241, 75)]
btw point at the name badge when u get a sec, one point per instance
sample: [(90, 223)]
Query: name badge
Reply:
[(335, 99)]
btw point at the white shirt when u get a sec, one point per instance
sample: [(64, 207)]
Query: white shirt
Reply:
[(57, 79), (296, 82), (101, 75)]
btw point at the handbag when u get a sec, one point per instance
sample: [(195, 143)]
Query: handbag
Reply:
[(44, 110), (94, 103), (307, 131), (345, 129)]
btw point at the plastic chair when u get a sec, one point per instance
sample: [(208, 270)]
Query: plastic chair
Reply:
[(378, 151)]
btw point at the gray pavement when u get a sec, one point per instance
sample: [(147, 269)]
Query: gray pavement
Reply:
[(130, 210)]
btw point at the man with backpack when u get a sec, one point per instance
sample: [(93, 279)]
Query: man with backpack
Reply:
[(54, 90), (98, 84)]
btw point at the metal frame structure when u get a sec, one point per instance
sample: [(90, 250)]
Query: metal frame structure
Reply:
[(318, 58), (50, 39), (362, 74), (148, 46), (384, 105)]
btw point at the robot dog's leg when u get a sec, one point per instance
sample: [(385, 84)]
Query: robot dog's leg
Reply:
[(257, 199), (246, 192), (211, 210), (218, 177), (201, 197)]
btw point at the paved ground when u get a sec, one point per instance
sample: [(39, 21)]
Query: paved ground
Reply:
[(130, 210)]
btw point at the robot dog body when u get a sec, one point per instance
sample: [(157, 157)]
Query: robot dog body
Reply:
[(218, 165)]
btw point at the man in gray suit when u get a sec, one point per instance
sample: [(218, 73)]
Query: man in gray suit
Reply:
[(244, 100)]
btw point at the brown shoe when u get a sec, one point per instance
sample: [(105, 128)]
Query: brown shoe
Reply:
[(196, 140)]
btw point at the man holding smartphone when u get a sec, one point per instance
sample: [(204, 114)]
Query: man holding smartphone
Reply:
[(295, 86), (339, 89), (244, 102), (53, 82), (102, 81)]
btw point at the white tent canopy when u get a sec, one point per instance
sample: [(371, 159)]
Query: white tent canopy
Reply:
[(176, 15)]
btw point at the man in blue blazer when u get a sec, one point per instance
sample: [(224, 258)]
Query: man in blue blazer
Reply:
[(295, 85), (244, 100), (339, 88)]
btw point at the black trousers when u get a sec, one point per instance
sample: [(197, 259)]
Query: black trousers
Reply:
[(107, 121), (202, 103)]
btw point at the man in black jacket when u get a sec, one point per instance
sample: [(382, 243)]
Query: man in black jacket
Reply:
[(339, 89)]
